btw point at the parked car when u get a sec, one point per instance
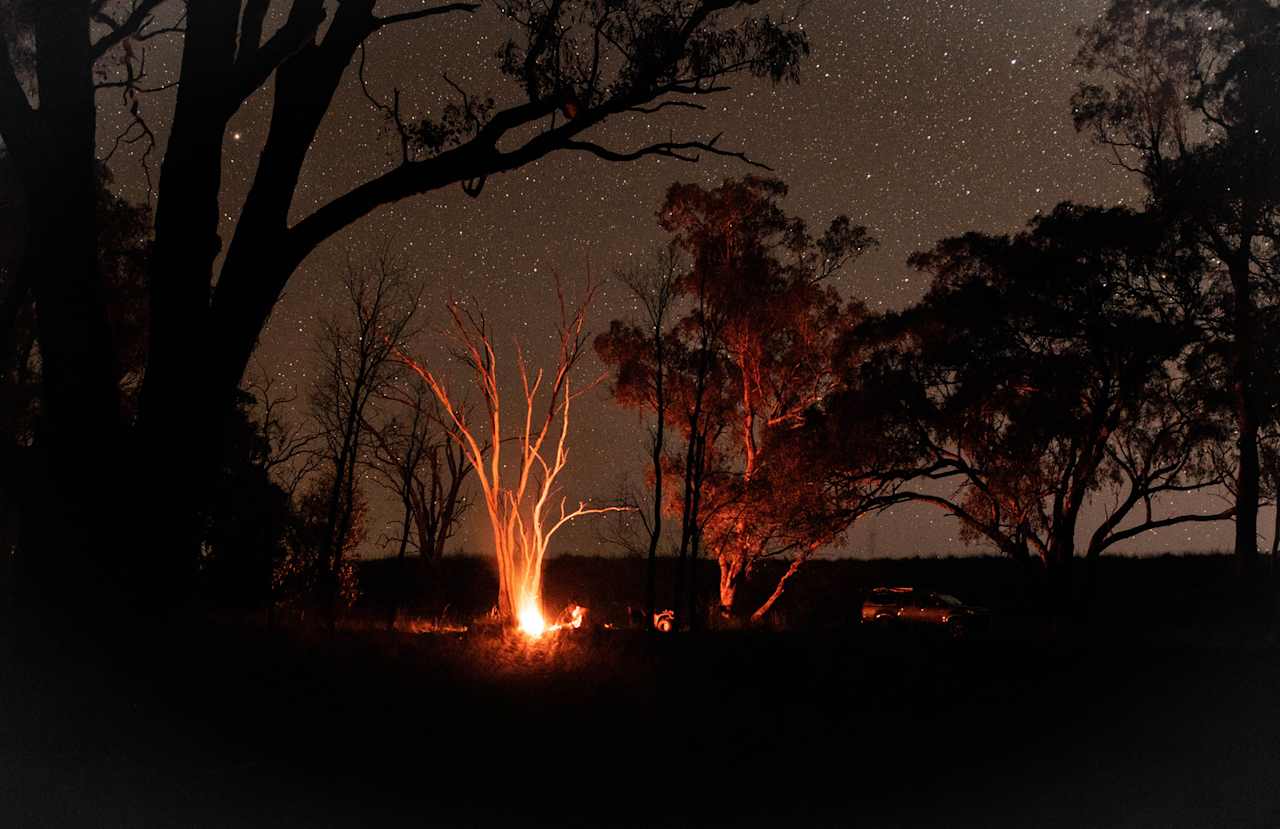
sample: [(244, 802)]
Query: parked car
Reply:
[(907, 605)]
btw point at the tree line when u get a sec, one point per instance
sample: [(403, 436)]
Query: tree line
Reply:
[(1100, 352)]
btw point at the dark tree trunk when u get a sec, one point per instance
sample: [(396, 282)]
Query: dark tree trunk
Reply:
[(1060, 564), (400, 591), (74, 488), (1246, 404), (178, 399), (693, 595)]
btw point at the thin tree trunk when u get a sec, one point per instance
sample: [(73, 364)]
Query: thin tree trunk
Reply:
[(1247, 475), (655, 536), (695, 621), (398, 594), (764, 609)]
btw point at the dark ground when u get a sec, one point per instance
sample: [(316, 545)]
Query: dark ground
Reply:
[(1159, 711)]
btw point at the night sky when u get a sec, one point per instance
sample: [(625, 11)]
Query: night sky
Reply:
[(919, 118)]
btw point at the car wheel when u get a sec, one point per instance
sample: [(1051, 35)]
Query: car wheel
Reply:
[(958, 629)]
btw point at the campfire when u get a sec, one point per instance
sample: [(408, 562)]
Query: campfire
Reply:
[(531, 623)]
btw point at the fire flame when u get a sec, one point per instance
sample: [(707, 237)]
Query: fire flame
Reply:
[(530, 622)]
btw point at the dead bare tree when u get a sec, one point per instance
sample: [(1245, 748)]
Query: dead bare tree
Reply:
[(519, 497), (414, 459), (291, 454), (357, 365)]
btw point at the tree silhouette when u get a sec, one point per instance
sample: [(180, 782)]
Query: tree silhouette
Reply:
[(357, 366), (123, 249), (414, 458), (1035, 375), (641, 351), (248, 519), (576, 63), (317, 571), (1186, 100)]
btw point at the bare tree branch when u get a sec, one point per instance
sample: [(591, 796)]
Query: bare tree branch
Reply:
[(406, 17), (668, 149)]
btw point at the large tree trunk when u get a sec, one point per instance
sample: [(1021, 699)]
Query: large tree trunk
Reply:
[(178, 399), (74, 488), (1059, 569), (399, 592)]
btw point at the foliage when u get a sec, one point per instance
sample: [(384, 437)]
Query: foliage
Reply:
[(248, 523), (1034, 375), (124, 247), (1182, 94), (753, 351), (302, 577)]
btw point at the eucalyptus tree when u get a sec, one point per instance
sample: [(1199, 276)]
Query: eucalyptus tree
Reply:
[(1034, 377), (1183, 96)]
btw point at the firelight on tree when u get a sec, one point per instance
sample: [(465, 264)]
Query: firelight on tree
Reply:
[(519, 504)]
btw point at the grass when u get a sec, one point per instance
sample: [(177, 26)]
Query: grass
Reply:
[(228, 724)]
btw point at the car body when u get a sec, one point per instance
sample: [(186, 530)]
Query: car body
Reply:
[(907, 605)]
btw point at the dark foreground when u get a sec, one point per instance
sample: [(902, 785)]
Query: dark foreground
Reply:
[(225, 725)]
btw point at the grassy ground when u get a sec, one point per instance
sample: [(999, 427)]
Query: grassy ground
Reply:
[(226, 724)]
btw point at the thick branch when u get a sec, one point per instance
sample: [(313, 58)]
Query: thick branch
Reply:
[(254, 64), (129, 27), (1146, 526)]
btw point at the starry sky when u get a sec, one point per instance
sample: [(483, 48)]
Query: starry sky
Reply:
[(919, 118)]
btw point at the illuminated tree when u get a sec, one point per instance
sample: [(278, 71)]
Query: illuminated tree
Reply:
[(521, 495), (751, 355)]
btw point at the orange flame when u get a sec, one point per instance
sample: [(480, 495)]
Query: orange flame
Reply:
[(530, 621)]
